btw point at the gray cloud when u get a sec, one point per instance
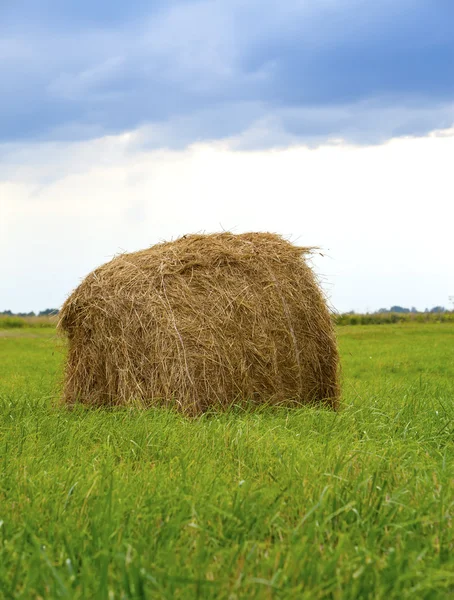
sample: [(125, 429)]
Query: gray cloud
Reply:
[(187, 71)]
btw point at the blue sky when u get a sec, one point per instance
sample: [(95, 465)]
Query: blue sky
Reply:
[(330, 122), (311, 69)]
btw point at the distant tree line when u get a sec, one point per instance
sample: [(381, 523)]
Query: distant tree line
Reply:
[(396, 314), (49, 312), (401, 309)]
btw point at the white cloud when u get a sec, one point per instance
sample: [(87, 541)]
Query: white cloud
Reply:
[(382, 213)]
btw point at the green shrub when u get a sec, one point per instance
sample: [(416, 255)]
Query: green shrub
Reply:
[(11, 322), (388, 317), (18, 322)]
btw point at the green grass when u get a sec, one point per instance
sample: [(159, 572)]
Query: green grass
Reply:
[(274, 504)]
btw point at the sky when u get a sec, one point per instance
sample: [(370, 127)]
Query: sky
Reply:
[(330, 122)]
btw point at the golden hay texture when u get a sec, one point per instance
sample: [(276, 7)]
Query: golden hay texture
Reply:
[(202, 323)]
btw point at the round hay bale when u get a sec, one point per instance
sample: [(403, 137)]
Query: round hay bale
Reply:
[(202, 323)]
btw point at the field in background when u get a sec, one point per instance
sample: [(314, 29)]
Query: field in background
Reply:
[(389, 318), (26, 322), (275, 504), (13, 322)]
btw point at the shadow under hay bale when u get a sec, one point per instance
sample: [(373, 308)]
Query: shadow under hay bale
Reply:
[(202, 323)]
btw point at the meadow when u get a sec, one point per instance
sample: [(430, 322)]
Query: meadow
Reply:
[(306, 503)]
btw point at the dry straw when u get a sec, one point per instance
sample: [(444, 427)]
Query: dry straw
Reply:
[(202, 323)]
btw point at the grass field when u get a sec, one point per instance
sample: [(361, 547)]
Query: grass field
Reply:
[(302, 504)]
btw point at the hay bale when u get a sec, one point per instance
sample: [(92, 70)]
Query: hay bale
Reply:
[(203, 322)]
